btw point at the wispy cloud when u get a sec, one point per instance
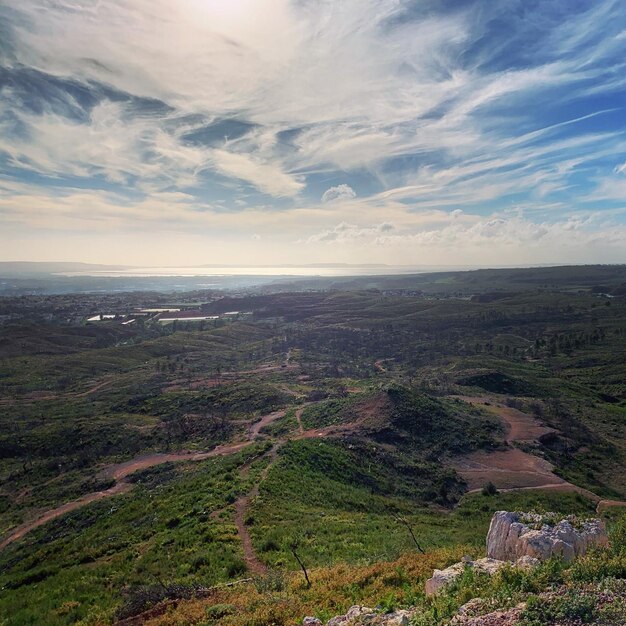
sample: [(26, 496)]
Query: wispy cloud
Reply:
[(316, 121)]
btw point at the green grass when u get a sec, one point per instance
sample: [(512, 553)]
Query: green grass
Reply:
[(162, 531), (345, 499)]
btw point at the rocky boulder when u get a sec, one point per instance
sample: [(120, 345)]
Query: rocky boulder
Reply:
[(365, 616), (443, 577), (515, 535)]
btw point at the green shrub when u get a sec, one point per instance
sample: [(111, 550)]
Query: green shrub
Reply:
[(489, 489), (573, 606), (273, 581), (217, 611)]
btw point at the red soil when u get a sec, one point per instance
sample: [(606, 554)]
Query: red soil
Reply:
[(512, 469)]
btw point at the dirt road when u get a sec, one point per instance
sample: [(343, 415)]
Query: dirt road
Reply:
[(299, 420), (519, 427), (513, 469), (20, 531), (120, 472)]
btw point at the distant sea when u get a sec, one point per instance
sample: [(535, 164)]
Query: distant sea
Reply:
[(339, 270)]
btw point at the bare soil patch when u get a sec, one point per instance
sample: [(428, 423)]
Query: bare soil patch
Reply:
[(519, 427), (510, 468), (506, 469)]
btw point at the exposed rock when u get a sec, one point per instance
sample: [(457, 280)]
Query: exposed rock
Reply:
[(515, 535), (401, 617), (355, 615), (443, 577), (472, 607), (311, 621), (527, 562), (364, 616), (509, 617)]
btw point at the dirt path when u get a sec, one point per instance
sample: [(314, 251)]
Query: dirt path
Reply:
[(510, 468), (520, 427), (299, 420), (513, 469), (506, 469), (256, 428), (253, 563), (603, 505), (20, 531), (40, 396), (120, 472)]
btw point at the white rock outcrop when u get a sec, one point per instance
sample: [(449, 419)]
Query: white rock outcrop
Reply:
[(515, 535), (365, 616), (443, 577)]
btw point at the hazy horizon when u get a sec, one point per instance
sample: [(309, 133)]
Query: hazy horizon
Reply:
[(283, 132)]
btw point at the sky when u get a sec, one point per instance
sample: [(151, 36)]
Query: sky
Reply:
[(427, 132)]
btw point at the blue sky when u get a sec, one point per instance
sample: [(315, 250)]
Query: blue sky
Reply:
[(276, 131)]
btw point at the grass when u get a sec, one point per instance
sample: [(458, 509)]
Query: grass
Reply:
[(176, 528), (583, 591), (163, 530)]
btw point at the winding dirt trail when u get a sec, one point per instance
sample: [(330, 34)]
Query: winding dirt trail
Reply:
[(299, 420), (40, 396), (253, 563), (513, 469), (510, 468), (121, 471), (20, 531), (520, 427)]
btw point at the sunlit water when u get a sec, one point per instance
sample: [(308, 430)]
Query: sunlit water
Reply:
[(147, 272)]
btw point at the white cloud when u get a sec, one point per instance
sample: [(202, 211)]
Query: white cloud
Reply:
[(331, 86), (340, 192), (496, 239), (267, 177), (344, 232)]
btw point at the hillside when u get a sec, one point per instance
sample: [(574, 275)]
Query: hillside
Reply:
[(146, 463)]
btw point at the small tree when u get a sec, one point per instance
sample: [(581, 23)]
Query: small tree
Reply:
[(294, 544), (404, 522)]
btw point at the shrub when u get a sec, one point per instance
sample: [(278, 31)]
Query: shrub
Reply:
[(490, 489), (217, 611), (274, 580), (572, 606)]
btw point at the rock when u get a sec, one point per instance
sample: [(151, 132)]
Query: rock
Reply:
[(443, 577), (364, 616), (527, 562), (401, 617), (311, 621), (515, 535), (509, 617), (355, 615), (488, 565), (472, 607)]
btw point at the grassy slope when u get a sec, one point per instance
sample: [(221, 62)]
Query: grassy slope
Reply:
[(390, 582)]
